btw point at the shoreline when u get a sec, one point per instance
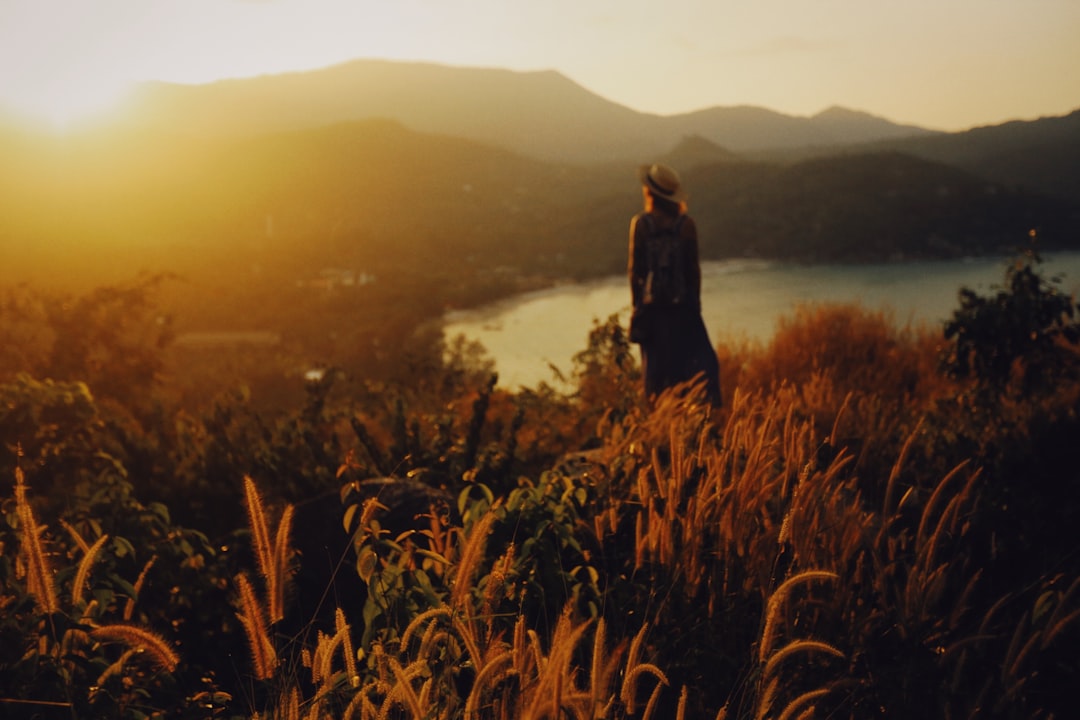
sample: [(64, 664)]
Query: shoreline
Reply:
[(525, 334)]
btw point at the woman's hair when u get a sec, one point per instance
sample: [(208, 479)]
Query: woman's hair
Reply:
[(664, 205)]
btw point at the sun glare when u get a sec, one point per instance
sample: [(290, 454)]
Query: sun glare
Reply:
[(63, 109)]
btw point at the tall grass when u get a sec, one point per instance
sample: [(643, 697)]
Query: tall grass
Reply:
[(453, 660), (40, 581), (74, 642), (819, 547), (863, 588)]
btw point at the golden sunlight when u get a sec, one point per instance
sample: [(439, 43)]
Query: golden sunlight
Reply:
[(65, 63), (66, 107)]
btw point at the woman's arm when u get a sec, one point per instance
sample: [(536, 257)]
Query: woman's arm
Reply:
[(637, 264), (693, 262)]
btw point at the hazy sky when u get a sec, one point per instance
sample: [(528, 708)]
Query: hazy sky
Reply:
[(946, 64)]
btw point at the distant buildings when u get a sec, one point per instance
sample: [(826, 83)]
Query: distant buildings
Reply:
[(223, 339), (330, 279)]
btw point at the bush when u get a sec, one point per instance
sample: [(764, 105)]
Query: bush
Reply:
[(1022, 339)]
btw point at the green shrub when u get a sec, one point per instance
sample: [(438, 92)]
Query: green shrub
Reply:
[(1023, 338)]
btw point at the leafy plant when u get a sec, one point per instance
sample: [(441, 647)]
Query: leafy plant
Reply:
[(1024, 336), (71, 639)]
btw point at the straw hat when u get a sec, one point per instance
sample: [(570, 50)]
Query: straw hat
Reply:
[(662, 181)]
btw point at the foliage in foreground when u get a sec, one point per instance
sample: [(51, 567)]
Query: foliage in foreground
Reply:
[(856, 534)]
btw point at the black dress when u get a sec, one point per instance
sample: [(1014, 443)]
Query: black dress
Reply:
[(675, 345)]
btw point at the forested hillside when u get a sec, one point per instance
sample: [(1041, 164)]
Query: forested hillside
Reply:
[(375, 195), (1041, 155)]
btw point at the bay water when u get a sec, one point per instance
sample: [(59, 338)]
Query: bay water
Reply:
[(527, 335)]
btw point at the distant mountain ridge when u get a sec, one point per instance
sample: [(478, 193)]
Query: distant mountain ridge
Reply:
[(1041, 155), (541, 114), (749, 129), (451, 174)]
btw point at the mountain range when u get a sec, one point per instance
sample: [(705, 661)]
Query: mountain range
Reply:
[(546, 116), (541, 114), (462, 172)]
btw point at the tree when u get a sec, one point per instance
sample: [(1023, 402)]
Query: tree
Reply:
[(111, 338), (1023, 337)]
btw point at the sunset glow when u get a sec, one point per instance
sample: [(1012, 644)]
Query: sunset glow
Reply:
[(941, 65), (67, 108)]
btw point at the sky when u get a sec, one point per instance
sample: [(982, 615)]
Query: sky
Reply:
[(941, 64)]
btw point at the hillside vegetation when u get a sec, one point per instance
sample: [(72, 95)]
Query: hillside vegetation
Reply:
[(459, 178), (267, 211), (871, 526)]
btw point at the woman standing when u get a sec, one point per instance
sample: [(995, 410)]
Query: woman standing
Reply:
[(665, 286)]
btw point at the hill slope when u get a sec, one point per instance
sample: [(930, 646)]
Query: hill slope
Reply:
[(868, 207), (541, 114), (1042, 155), (376, 195)]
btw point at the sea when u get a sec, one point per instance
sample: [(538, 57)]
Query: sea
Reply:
[(530, 334)]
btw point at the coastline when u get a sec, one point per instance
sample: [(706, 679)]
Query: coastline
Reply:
[(526, 334)]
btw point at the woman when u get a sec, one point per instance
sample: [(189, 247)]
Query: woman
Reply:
[(665, 286)]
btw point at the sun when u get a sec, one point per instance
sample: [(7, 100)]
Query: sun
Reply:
[(68, 107), (63, 63)]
